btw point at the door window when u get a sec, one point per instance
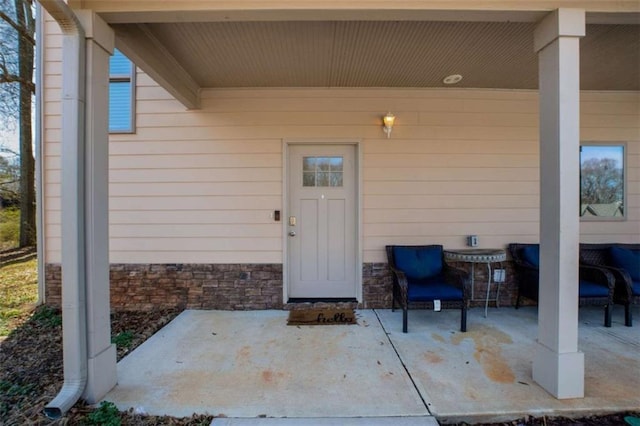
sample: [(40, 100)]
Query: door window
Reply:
[(322, 171)]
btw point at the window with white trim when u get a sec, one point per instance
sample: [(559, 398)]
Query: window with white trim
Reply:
[(121, 94), (602, 181)]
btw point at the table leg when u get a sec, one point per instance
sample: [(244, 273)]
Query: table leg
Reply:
[(486, 303), (498, 284), (473, 297)]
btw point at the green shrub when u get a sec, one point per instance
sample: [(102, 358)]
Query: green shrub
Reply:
[(16, 389), (47, 316), (13, 394), (123, 340), (9, 228), (106, 414)]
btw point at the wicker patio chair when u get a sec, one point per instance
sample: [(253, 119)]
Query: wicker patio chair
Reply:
[(627, 274), (420, 274), (596, 284)]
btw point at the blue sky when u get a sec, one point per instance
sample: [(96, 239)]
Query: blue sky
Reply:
[(9, 140), (602, 151)]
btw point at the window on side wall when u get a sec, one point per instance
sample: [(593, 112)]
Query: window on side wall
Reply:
[(121, 94), (602, 181)]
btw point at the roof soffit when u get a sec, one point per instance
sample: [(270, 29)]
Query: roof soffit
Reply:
[(365, 43), (385, 53)]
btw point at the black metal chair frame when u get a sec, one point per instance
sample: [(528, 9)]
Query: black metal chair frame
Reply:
[(529, 281), (597, 255), (455, 276)]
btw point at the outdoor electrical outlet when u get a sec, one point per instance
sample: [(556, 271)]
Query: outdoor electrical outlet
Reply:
[(472, 241), (499, 275)]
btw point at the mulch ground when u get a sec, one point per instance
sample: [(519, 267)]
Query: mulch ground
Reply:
[(31, 368), (31, 374)]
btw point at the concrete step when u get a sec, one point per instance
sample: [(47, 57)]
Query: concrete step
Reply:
[(328, 421)]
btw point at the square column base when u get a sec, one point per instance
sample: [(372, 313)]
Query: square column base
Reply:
[(102, 375), (560, 374)]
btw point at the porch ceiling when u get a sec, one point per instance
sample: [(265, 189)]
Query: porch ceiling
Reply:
[(369, 53)]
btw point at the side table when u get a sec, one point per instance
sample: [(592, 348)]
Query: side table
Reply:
[(474, 256)]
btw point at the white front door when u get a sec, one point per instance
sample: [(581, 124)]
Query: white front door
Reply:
[(322, 221)]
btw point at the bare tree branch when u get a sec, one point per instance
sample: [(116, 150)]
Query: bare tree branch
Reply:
[(17, 43), (8, 150), (24, 32), (12, 78)]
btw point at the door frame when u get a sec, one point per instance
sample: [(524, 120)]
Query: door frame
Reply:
[(356, 144)]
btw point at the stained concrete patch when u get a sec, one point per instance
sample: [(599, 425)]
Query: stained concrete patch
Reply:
[(488, 343), (251, 364), (484, 374), (354, 421)]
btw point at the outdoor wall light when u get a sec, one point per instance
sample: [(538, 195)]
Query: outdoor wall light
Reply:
[(388, 121)]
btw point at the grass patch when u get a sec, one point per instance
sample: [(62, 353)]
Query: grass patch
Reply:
[(9, 228), (18, 293)]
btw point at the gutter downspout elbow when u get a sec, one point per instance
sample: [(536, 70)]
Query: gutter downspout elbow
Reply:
[(73, 216)]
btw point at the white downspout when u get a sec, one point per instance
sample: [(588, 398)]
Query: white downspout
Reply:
[(40, 240), (73, 235)]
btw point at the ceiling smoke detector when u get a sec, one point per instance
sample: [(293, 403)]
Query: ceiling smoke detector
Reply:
[(452, 79)]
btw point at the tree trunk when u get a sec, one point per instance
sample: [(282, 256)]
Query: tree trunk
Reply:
[(24, 15)]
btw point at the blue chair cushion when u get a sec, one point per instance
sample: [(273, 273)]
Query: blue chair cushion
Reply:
[(531, 255), (418, 262), (635, 288), (591, 289), (626, 259), (433, 288)]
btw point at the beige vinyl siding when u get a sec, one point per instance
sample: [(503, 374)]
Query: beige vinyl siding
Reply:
[(615, 117), (461, 171), (51, 110), (183, 191), (200, 186)]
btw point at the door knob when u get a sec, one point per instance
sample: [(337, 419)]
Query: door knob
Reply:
[(292, 233)]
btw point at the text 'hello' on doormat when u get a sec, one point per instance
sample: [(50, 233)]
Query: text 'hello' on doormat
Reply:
[(322, 317)]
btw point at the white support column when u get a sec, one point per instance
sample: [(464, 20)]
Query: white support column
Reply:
[(101, 354), (558, 365)]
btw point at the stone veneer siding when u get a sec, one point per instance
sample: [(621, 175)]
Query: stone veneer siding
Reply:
[(187, 286), (234, 286)]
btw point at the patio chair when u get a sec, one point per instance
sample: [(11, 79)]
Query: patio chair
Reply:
[(420, 274), (623, 261), (596, 284)]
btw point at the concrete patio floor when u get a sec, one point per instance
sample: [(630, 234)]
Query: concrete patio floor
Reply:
[(251, 365)]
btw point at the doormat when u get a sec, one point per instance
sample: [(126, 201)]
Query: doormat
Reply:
[(322, 317)]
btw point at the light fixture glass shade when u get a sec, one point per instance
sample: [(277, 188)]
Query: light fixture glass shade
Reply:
[(388, 121)]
